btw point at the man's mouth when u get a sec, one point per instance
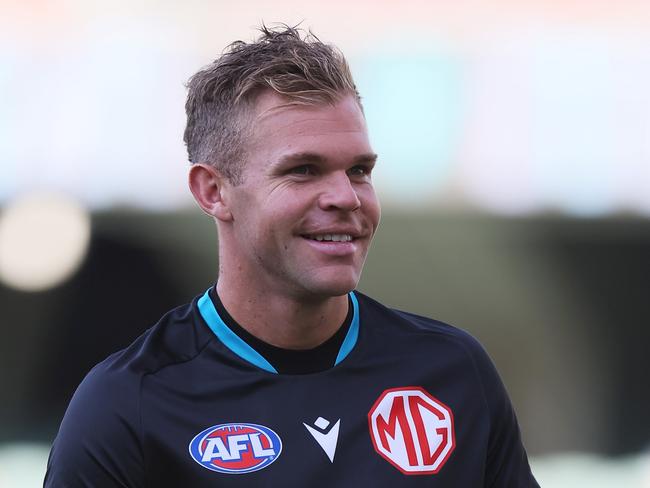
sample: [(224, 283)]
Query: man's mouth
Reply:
[(329, 237)]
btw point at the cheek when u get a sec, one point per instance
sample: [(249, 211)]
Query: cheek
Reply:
[(287, 208), (370, 202)]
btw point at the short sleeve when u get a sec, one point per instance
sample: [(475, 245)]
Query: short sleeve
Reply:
[(98, 443), (506, 463)]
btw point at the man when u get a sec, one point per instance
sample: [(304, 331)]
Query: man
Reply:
[(281, 375)]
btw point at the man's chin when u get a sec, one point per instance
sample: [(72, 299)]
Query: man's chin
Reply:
[(334, 287), (329, 283)]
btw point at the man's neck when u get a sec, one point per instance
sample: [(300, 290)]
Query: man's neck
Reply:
[(280, 320)]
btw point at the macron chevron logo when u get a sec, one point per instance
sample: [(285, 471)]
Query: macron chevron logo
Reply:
[(326, 436)]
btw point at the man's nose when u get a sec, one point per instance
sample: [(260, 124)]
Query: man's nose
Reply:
[(339, 193)]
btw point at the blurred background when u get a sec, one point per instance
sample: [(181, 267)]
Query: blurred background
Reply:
[(514, 171)]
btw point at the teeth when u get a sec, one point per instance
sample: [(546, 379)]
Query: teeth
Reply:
[(332, 237)]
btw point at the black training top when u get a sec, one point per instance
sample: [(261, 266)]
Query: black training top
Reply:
[(409, 401)]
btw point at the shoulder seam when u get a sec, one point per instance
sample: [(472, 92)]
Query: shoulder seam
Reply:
[(181, 361), (144, 457), (453, 334), (436, 326), (465, 348)]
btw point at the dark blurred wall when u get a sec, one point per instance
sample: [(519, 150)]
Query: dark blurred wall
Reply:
[(560, 304)]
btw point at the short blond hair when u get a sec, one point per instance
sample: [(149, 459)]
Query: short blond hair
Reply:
[(287, 60)]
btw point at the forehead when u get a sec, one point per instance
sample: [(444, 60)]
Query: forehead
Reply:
[(277, 121)]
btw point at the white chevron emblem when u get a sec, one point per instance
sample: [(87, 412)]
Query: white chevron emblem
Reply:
[(327, 439)]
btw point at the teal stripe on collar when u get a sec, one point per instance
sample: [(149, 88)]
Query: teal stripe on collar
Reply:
[(231, 340), (237, 345), (353, 332)]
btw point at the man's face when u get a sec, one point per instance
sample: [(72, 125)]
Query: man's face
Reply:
[(306, 211)]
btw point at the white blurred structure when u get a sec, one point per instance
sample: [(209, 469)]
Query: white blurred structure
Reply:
[(505, 107), (43, 240)]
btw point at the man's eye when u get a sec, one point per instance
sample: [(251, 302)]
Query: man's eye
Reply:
[(303, 170), (360, 170)]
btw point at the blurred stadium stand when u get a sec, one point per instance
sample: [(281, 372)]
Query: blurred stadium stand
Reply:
[(560, 304)]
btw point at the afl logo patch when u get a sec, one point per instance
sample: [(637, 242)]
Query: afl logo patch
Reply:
[(236, 448), (412, 430)]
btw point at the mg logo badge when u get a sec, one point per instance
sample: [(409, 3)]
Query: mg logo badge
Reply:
[(412, 430)]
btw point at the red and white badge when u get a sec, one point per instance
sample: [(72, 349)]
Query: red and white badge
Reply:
[(412, 430)]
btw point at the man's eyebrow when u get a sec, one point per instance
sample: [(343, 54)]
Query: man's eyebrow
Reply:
[(301, 158), (370, 158), (315, 158)]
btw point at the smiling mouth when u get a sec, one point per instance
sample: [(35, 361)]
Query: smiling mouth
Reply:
[(329, 237)]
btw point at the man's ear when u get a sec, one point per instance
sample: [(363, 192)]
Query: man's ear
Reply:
[(207, 186)]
